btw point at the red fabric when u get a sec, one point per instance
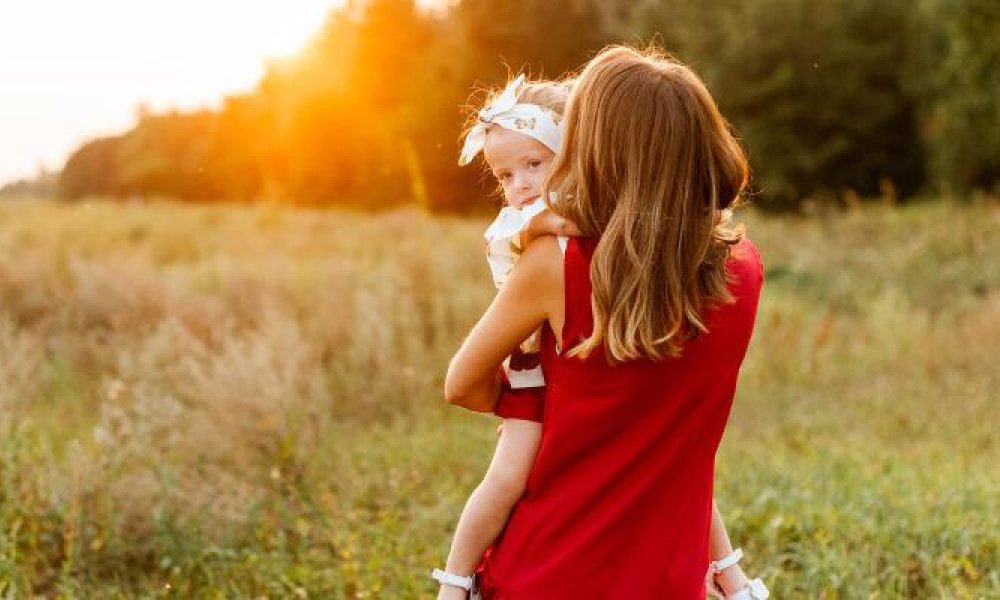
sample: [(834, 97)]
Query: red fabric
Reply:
[(618, 500), (520, 403), (524, 361)]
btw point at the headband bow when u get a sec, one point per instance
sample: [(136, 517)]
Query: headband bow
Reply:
[(529, 119)]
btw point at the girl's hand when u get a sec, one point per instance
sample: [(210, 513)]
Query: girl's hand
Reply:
[(713, 590), (450, 592), (548, 223), (724, 584)]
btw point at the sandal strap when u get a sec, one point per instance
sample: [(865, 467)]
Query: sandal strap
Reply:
[(727, 561), (458, 581), (755, 590)]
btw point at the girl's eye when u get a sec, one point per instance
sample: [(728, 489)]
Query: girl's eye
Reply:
[(504, 176), (534, 164)]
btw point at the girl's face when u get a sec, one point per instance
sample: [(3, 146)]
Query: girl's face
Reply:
[(519, 162)]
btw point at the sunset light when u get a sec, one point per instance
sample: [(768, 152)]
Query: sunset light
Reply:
[(558, 299), (70, 70)]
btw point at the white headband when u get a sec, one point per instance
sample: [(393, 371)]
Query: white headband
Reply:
[(529, 119)]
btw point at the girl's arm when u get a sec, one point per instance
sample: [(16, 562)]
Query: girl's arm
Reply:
[(548, 223), (490, 504), (532, 295)]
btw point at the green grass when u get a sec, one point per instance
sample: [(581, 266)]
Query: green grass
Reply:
[(218, 402)]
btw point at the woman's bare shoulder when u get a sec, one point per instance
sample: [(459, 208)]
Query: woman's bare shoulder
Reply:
[(540, 270), (543, 259)]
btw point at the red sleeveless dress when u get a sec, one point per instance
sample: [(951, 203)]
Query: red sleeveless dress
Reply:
[(618, 502)]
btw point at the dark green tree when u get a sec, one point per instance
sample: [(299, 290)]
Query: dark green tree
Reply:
[(815, 89), (963, 122), (546, 37), (485, 42), (832, 99)]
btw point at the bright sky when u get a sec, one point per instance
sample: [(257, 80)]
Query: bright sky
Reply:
[(72, 69)]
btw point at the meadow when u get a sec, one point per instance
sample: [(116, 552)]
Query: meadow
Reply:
[(245, 402)]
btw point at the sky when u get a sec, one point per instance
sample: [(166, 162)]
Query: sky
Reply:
[(71, 70)]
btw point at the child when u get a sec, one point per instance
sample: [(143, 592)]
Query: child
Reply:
[(519, 135)]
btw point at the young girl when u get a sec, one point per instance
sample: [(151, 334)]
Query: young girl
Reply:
[(519, 135)]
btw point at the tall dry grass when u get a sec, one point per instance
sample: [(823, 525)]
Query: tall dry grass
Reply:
[(184, 363), (244, 401)]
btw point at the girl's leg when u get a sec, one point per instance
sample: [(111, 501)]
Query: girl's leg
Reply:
[(731, 579), (488, 507)]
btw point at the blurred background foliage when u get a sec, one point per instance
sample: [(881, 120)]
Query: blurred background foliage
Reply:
[(206, 401), (201, 400), (836, 101)]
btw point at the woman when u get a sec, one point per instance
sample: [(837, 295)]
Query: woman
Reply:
[(645, 323)]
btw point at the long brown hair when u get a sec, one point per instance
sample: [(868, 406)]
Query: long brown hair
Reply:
[(651, 167)]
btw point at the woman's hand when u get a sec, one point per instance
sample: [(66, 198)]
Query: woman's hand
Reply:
[(548, 223), (712, 589)]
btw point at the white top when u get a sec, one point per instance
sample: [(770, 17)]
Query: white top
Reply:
[(503, 246), (503, 238)]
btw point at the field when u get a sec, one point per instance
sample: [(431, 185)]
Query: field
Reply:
[(222, 402)]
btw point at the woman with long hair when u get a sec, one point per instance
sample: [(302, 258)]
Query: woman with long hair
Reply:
[(645, 322)]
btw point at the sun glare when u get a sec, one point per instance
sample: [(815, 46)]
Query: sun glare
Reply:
[(72, 70)]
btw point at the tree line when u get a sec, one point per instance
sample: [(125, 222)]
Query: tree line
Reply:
[(834, 100)]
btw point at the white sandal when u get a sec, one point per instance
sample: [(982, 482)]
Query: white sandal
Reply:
[(755, 589), (466, 583)]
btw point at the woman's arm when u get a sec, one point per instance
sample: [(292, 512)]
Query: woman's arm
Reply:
[(490, 504), (532, 294)]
